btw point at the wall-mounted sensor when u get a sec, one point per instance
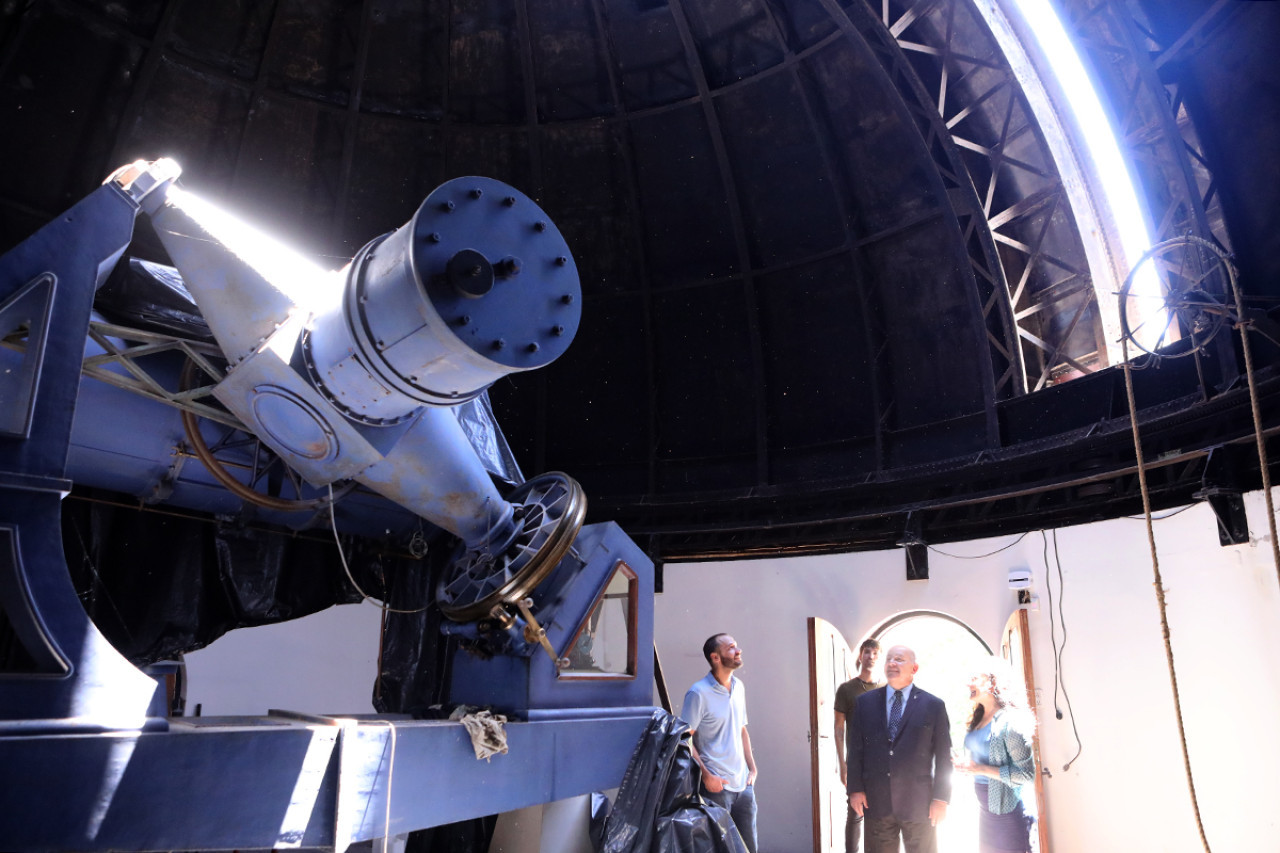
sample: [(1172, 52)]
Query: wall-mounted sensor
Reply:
[(1020, 579)]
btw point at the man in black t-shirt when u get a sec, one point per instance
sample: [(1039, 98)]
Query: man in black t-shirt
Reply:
[(846, 695)]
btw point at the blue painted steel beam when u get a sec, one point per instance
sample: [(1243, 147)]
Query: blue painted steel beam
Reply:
[(258, 783), (76, 251), (81, 680)]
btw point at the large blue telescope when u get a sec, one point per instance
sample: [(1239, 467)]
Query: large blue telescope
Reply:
[(360, 385)]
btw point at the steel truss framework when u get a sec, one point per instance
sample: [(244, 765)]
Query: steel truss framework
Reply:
[(951, 57), (1150, 115), (966, 84), (140, 344)]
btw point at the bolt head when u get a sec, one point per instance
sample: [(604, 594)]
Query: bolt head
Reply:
[(539, 226), (499, 343)]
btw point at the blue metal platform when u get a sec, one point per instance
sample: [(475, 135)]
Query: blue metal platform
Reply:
[(292, 781)]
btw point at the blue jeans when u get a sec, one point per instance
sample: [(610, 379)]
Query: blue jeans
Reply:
[(741, 806)]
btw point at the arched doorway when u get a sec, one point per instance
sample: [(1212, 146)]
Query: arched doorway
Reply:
[(946, 650)]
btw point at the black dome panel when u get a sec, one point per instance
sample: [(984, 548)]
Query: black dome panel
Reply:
[(802, 307)]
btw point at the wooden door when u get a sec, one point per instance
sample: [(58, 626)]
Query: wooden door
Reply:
[(830, 665), (1015, 647)]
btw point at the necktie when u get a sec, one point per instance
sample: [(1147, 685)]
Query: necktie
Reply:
[(895, 715)]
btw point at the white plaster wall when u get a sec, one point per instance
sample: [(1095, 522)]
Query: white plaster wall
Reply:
[(1127, 791), (559, 827), (325, 663), (1223, 605)]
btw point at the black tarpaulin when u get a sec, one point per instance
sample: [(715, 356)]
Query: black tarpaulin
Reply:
[(160, 584), (658, 808)]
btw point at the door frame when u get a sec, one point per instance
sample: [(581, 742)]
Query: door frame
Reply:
[(816, 729), (1018, 624)]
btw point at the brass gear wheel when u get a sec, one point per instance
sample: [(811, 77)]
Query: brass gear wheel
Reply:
[(549, 513)]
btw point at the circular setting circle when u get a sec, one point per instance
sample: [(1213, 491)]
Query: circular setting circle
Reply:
[(549, 513)]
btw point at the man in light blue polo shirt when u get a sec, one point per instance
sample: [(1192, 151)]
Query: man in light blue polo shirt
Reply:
[(716, 710)]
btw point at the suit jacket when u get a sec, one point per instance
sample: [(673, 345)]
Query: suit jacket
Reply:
[(900, 778)]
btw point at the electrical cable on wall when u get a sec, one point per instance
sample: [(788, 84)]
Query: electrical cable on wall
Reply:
[(1057, 664), (979, 556), (1169, 514), (1053, 640)]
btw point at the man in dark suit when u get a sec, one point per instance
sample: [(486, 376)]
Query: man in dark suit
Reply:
[(899, 760)]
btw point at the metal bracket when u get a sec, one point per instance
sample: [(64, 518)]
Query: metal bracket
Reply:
[(535, 633)]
